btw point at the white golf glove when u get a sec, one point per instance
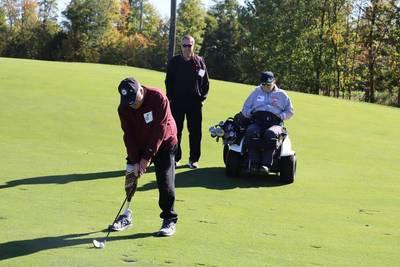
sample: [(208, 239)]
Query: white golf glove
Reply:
[(131, 175), (129, 168)]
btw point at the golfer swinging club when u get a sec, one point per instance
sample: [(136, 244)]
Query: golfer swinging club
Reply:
[(150, 135)]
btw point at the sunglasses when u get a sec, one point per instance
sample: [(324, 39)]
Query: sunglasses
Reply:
[(268, 84), (187, 45)]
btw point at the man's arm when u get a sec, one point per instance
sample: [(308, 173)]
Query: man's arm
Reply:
[(248, 106), (288, 110), (129, 139), (205, 86), (159, 127)]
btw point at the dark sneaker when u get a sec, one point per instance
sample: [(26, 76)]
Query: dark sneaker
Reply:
[(193, 164), (168, 228), (123, 222)]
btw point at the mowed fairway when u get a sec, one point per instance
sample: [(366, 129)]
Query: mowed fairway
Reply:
[(61, 180)]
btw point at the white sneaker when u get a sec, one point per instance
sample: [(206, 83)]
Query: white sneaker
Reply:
[(168, 228), (193, 164), (123, 222), (177, 163), (264, 169)]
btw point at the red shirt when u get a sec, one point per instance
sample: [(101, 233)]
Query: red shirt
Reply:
[(149, 128)]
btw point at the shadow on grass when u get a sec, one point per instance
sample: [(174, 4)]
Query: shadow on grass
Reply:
[(66, 178), (63, 179), (212, 178), (215, 178), (20, 248)]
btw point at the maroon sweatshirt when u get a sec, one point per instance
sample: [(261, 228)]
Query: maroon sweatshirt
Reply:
[(149, 128)]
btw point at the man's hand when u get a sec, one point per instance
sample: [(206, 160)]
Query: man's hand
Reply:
[(143, 166), (132, 169), (131, 175)]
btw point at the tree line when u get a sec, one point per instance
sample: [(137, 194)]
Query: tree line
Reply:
[(340, 48)]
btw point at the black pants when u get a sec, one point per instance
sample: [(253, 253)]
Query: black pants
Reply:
[(164, 163), (193, 118), (262, 143)]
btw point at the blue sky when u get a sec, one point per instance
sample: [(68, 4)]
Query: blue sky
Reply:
[(163, 6)]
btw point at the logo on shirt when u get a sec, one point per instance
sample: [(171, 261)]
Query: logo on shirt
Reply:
[(148, 117), (260, 98), (274, 101), (124, 92)]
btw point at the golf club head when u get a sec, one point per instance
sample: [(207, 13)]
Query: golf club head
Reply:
[(98, 244)]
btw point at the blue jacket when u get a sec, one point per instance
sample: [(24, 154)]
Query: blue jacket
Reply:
[(277, 101)]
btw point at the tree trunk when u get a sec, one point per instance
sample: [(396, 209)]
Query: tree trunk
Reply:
[(370, 96), (320, 51), (346, 56), (172, 30), (354, 41), (398, 97)]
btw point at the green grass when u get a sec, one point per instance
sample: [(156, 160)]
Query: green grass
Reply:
[(61, 180)]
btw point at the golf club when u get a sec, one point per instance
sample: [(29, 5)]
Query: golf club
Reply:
[(99, 244)]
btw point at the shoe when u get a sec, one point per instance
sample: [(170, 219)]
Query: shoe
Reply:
[(193, 164), (264, 169), (168, 228), (123, 221), (177, 163)]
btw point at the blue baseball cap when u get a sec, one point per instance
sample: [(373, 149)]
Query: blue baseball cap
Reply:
[(128, 89), (267, 77)]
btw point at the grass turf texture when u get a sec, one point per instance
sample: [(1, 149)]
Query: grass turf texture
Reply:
[(61, 180)]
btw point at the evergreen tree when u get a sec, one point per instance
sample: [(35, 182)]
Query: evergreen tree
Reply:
[(221, 40), (144, 18), (395, 54), (88, 21), (374, 35), (190, 20), (47, 29), (3, 31), (261, 39)]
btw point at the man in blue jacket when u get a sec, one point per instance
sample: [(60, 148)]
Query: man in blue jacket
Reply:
[(267, 106)]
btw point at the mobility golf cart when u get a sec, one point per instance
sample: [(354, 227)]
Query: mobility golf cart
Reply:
[(235, 156)]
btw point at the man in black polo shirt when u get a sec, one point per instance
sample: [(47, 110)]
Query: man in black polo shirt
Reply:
[(149, 136), (187, 87)]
